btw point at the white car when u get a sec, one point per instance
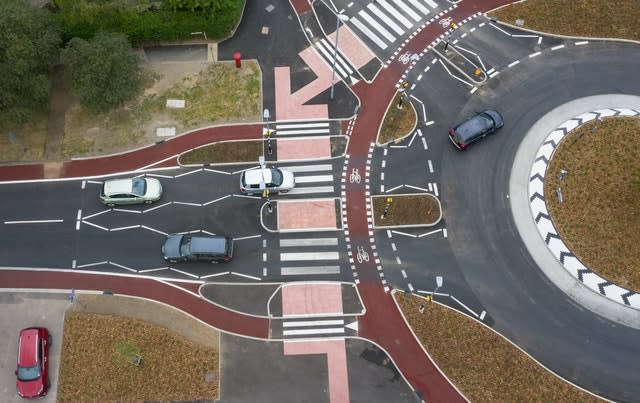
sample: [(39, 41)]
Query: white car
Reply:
[(275, 180)]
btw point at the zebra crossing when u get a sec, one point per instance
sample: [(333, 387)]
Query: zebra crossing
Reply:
[(316, 327), (307, 128), (309, 256), (312, 179), (383, 22), (327, 50)]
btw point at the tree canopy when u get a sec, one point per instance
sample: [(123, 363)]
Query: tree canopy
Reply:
[(104, 71), (29, 45)]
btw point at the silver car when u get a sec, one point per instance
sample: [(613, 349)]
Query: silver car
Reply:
[(275, 180), (130, 191)]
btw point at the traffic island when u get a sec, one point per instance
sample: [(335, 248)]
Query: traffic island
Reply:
[(400, 120), (405, 210), (224, 152)]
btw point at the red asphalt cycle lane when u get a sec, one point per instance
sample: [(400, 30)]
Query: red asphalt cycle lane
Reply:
[(161, 154), (220, 318), (383, 322)]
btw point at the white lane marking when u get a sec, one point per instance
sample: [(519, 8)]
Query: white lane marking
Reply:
[(328, 51), (557, 47), (304, 270), (394, 188), (376, 26), (188, 204), (290, 256), (581, 43), (188, 173), (368, 33), (429, 233), (474, 89), (418, 188), (154, 230), (398, 260), (309, 168), (216, 200), (500, 29), (80, 266), (531, 56), (513, 63), (124, 228), (393, 246), (315, 178), (424, 143), (395, 14), (247, 237), (122, 266), (404, 233), (95, 225), (286, 243), (34, 222), (154, 208), (316, 189), (380, 14), (404, 273), (264, 257), (495, 73), (444, 232), (84, 183), (430, 166), (311, 323)]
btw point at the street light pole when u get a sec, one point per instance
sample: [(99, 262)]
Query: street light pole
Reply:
[(343, 18)]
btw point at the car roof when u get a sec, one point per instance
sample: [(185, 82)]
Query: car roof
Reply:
[(118, 186), (200, 244), (28, 347), (254, 176), (470, 127)]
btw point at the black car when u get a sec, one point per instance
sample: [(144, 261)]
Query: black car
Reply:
[(475, 128), (185, 248)]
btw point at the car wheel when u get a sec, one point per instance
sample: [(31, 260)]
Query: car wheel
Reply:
[(215, 261), (173, 261), (284, 191), (110, 204), (148, 202)]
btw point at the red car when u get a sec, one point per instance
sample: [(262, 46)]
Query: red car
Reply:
[(33, 362)]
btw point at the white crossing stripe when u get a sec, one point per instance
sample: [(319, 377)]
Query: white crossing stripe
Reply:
[(302, 323), (283, 126), (287, 257), (392, 10), (311, 189), (431, 3), (313, 179), (407, 10), (380, 14), (419, 6), (285, 243), (313, 331), (302, 131), (314, 270), (310, 168), (368, 33), (376, 26)]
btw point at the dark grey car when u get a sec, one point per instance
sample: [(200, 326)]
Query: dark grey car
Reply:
[(475, 128), (185, 248)]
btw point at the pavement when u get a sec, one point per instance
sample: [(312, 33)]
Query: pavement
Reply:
[(382, 323)]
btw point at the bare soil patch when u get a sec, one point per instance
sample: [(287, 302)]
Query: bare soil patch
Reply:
[(96, 354), (480, 363), (599, 218), (587, 18), (398, 122), (396, 210)]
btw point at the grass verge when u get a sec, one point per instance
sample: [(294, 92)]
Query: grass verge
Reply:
[(587, 18), (27, 142), (600, 215), (481, 364), (397, 123), (96, 354), (419, 209), (225, 152)]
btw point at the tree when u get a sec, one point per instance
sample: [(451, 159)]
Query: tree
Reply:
[(29, 45), (104, 71)]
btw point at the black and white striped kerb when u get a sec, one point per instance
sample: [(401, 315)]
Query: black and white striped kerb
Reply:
[(543, 220)]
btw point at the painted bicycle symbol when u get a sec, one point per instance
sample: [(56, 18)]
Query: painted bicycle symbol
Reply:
[(405, 58), (355, 176), (445, 22), (362, 255)]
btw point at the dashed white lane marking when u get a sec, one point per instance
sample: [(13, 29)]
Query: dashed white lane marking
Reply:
[(286, 243), (424, 143), (308, 270), (290, 256), (34, 222), (398, 260), (531, 56), (430, 166), (581, 43), (513, 63), (557, 47)]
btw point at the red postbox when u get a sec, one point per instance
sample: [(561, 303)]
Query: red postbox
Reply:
[(236, 57)]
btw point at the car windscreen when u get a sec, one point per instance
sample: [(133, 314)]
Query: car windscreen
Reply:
[(139, 186), (185, 244), (276, 177), (29, 373)]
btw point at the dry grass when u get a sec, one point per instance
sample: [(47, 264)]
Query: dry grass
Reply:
[(397, 122), (95, 367), (405, 210), (481, 364), (587, 18), (29, 142), (225, 152), (599, 219)]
